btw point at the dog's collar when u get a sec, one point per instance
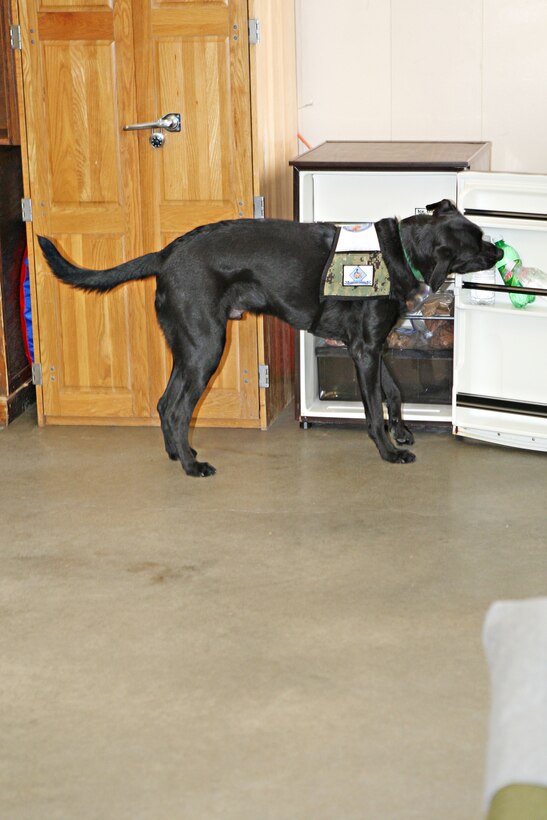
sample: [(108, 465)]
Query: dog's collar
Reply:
[(417, 274)]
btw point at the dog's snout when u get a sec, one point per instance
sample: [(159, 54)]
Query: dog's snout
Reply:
[(499, 254), (491, 252)]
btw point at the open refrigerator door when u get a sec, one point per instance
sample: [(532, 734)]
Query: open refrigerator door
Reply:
[(500, 373)]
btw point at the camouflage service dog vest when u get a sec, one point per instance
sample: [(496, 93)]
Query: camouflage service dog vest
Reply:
[(356, 268)]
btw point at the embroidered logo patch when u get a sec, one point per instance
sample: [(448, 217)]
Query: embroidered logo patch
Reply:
[(358, 275)]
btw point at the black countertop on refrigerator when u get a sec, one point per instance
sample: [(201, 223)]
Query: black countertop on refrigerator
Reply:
[(393, 155)]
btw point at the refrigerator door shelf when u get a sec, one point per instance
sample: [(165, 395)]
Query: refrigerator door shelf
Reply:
[(502, 302), (521, 195), (527, 236), (499, 369), (482, 426)]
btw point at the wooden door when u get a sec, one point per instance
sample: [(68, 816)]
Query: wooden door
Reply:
[(105, 195)]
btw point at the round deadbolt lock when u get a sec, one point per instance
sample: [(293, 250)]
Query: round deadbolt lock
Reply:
[(157, 139)]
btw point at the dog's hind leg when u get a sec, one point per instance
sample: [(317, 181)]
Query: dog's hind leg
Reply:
[(169, 435), (187, 382), (396, 426)]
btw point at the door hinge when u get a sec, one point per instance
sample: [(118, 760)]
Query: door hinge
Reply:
[(263, 375), (15, 37), (26, 209), (254, 32), (258, 207), (37, 373)]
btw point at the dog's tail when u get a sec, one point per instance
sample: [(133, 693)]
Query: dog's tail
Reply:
[(98, 280)]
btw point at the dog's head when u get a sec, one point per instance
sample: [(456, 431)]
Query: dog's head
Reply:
[(446, 242)]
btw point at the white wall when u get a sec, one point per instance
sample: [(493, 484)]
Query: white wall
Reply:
[(427, 70)]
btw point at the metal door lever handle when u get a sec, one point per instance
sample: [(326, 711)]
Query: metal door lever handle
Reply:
[(171, 122)]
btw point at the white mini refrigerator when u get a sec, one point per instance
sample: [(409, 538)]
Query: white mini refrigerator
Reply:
[(500, 351), (366, 181), (489, 381)]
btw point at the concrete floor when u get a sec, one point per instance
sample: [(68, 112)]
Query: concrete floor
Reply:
[(298, 637)]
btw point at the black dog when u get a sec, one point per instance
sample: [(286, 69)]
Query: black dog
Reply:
[(219, 271)]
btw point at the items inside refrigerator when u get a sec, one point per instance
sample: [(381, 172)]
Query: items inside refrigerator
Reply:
[(419, 356)]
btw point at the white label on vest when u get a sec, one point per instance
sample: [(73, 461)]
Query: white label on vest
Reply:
[(355, 275)]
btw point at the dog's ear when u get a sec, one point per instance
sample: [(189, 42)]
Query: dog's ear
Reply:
[(443, 259), (445, 206)]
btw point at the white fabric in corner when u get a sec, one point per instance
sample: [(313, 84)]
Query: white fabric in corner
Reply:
[(515, 643)]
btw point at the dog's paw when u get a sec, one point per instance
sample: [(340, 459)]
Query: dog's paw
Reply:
[(200, 469), (405, 457), (401, 457), (402, 434)]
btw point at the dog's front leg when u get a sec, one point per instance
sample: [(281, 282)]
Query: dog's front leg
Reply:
[(396, 426), (368, 363)]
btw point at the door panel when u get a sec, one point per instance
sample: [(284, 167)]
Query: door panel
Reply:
[(83, 163), (79, 84)]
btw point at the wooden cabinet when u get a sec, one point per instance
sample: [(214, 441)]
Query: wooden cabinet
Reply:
[(9, 120), (104, 194), (16, 390)]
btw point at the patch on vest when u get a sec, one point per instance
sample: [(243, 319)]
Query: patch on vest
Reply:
[(356, 268)]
